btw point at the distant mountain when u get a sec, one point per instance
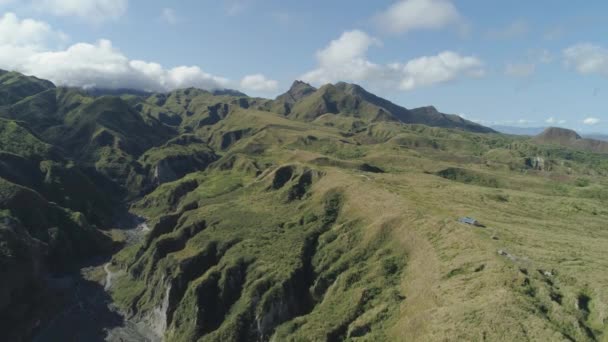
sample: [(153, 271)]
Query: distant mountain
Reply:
[(596, 136), (136, 92), (304, 102), (569, 138), (531, 131), (228, 92), (116, 92)]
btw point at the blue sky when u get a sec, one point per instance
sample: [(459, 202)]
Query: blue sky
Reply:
[(526, 63)]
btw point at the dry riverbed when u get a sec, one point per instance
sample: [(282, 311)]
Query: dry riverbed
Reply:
[(87, 312)]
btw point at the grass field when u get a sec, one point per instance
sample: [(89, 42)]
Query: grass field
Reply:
[(536, 271)]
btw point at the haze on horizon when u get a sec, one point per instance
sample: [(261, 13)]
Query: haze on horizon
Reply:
[(513, 64)]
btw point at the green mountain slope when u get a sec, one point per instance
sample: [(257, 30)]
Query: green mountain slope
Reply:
[(325, 214), (15, 86)]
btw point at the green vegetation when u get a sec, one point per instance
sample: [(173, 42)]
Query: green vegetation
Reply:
[(326, 214)]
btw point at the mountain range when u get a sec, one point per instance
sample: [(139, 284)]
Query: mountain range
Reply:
[(325, 214)]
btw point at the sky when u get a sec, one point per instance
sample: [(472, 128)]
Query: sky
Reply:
[(517, 63)]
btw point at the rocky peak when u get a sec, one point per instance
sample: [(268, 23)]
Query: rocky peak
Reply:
[(298, 91)]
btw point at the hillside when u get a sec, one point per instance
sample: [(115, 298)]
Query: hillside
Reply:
[(325, 214), (571, 139)]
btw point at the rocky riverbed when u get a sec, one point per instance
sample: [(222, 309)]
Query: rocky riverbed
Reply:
[(85, 311)]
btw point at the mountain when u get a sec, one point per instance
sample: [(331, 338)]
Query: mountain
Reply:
[(529, 131), (228, 92), (14, 86), (325, 214), (569, 138), (304, 102), (596, 136)]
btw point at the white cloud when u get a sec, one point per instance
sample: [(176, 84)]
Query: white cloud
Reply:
[(345, 59), (169, 16), (444, 67), (258, 83), (19, 39), (591, 121), (520, 69), (26, 32), (587, 59), (95, 10), (553, 121), (513, 30), (29, 48), (351, 45), (101, 65), (408, 15)]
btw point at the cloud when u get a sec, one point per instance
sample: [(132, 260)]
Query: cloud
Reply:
[(444, 67), (29, 49), (587, 58), (408, 15), (345, 59), (351, 45), (169, 16), (553, 121), (258, 83), (520, 70), (94, 10), (101, 65), (515, 29), (20, 39), (27, 32), (591, 121)]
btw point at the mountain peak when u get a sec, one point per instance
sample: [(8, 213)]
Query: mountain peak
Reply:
[(351, 88), (429, 109), (299, 83), (557, 133), (298, 91)]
